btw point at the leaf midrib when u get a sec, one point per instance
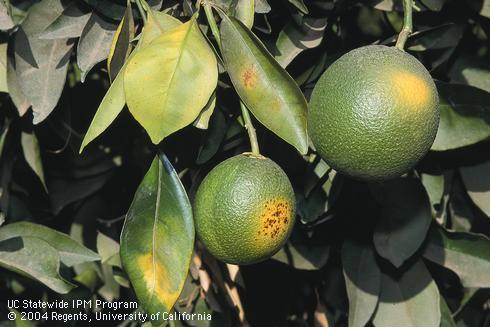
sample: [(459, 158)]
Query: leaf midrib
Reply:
[(155, 219), (170, 82)]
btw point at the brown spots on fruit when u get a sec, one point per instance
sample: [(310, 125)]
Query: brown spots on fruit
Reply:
[(249, 77), (275, 218)]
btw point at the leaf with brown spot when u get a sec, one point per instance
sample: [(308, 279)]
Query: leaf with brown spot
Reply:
[(263, 85)]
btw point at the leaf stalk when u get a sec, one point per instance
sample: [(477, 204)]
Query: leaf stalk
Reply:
[(141, 10)]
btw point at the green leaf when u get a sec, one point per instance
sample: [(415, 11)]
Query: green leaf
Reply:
[(34, 258), (41, 65), (244, 10), (64, 191), (3, 137), (111, 289), (404, 221), (15, 92), (300, 5), (95, 43), (3, 68), (158, 238), (465, 116), (304, 252), (477, 182), (70, 251), (434, 185), (32, 154), (446, 316), (6, 22), (362, 279), (296, 37), (471, 70), (214, 137), (412, 299), (121, 43), (483, 7), (69, 24), (435, 5), (263, 85), (108, 250), (262, 6), (115, 9), (169, 82), (202, 121), (114, 100), (464, 253), (385, 5), (437, 38)]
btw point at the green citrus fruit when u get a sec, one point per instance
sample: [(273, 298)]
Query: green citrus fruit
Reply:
[(374, 113), (244, 209)]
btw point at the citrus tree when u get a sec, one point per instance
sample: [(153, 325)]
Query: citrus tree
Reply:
[(245, 163)]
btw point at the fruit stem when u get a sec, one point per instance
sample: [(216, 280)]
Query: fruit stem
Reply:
[(407, 24), (250, 129), (141, 10), (245, 114)]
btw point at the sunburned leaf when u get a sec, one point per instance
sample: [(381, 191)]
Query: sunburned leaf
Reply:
[(114, 100), (168, 82), (158, 238)]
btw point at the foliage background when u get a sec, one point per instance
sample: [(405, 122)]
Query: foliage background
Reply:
[(353, 240)]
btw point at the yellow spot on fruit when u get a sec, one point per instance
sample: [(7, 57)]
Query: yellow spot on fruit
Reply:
[(249, 77), (157, 281), (275, 217), (411, 89)]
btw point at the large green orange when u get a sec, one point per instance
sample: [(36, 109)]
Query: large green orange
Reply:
[(374, 113), (244, 209)]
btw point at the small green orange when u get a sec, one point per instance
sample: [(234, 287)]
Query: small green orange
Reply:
[(374, 113), (244, 209)]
